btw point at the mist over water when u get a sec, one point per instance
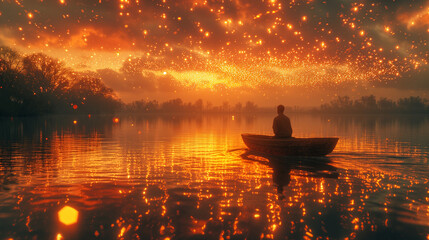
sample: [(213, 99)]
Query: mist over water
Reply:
[(184, 177)]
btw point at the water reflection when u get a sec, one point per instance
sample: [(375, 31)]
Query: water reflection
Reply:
[(314, 167), (160, 177), (68, 215)]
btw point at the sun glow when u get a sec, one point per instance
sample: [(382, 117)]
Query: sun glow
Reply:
[(207, 47)]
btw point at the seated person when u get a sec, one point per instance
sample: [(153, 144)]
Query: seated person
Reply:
[(281, 124)]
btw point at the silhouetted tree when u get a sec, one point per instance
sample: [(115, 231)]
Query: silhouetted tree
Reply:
[(368, 104), (174, 105), (365, 104), (12, 85), (225, 107), (238, 107), (411, 105), (341, 104), (90, 95), (49, 81), (250, 107), (209, 106), (39, 84), (199, 105), (386, 105)]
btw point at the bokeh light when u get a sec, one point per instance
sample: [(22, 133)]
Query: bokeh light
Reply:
[(68, 215)]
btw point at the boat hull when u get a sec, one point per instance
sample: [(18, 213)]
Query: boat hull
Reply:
[(289, 146)]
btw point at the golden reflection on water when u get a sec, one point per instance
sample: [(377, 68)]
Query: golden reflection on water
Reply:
[(68, 215), (177, 178)]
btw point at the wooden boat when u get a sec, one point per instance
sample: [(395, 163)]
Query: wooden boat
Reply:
[(289, 146)]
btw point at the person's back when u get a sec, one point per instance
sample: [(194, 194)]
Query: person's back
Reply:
[(281, 124)]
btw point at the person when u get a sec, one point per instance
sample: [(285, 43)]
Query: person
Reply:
[(281, 124)]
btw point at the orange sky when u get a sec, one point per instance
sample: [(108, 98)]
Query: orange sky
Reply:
[(267, 51)]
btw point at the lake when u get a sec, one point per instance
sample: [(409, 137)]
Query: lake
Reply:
[(185, 177)]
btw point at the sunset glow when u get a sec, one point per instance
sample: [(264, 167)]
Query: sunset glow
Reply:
[(226, 46), (220, 119)]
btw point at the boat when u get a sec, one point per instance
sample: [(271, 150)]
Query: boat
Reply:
[(289, 146)]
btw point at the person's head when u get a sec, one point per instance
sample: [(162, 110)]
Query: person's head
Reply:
[(280, 109)]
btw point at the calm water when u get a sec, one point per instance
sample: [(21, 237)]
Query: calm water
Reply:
[(186, 178)]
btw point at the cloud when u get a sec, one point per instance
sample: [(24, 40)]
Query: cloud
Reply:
[(143, 82), (219, 46), (414, 17)]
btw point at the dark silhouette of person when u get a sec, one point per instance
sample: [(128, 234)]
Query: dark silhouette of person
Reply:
[(281, 124)]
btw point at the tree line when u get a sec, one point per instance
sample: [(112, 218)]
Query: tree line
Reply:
[(38, 84), (177, 105), (369, 104)]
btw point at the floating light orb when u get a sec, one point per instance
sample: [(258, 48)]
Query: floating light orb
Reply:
[(68, 215), (116, 120)]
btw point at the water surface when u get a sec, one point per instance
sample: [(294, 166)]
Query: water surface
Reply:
[(190, 177)]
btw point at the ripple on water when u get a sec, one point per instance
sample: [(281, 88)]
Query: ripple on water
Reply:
[(154, 178)]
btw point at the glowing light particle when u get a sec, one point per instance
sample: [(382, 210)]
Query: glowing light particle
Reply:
[(122, 232), (116, 120), (30, 15), (68, 215)]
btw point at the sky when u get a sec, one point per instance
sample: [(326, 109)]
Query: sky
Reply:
[(268, 51)]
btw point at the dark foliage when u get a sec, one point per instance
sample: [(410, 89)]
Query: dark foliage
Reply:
[(369, 104), (37, 84), (177, 106)]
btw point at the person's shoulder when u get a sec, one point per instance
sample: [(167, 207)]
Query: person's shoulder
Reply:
[(284, 118)]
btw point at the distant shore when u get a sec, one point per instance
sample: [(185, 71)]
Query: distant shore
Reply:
[(38, 85)]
